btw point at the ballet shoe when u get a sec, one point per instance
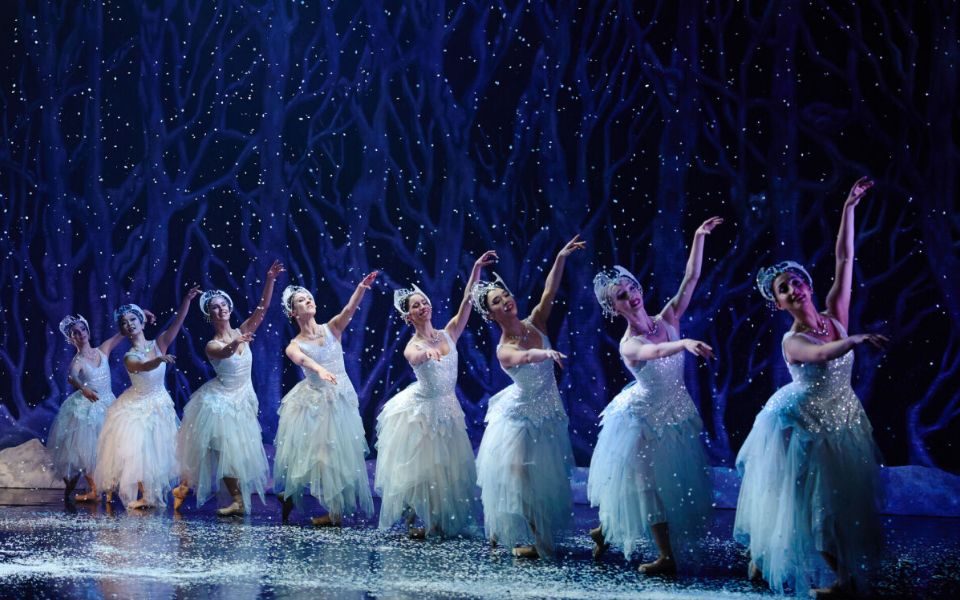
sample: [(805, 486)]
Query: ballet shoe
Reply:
[(235, 509), (286, 507), (753, 572), (325, 521), (661, 566), (599, 544), (525, 552), (139, 504), (417, 533), (180, 494), (90, 496), (830, 593)]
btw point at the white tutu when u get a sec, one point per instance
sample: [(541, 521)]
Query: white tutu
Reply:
[(220, 434), (320, 443), (138, 440), (810, 476), (524, 460), (424, 457), (76, 429), (649, 465)]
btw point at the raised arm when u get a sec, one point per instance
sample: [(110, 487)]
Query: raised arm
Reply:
[(838, 298), (340, 322), (678, 304), (798, 349), (254, 320), (541, 312), (636, 350), (511, 355), (166, 337), (459, 321)]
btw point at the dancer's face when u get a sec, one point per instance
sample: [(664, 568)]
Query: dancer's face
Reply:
[(130, 324), (627, 297), (79, 336), (303, 305), (501, 304), (419, 310), (219, 309), (790, 291)]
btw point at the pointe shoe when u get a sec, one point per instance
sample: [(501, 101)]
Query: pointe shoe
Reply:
[(599, 543), (325, 521), (417, 533), (286, 507), (661, 566), (138, 505), (90, 496), (525, 552), (753, 572), (829, 593), (235, 509), (180, 494)]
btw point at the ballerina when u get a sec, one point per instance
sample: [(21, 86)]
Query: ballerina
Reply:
[(320, 441), (136, 450), (649, 473), (425, 464), (220, 435), (76, 429), (525, 457), (809, 465)]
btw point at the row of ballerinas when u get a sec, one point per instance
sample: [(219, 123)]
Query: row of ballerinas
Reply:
[(807, 506)]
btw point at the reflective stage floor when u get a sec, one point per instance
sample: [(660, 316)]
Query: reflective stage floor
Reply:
[(49, 551)]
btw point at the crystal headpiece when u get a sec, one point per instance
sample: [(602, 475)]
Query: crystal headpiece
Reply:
[(209, 295), (286, 299), (765, 277), (478, 295), (124, 309), (69, 321), (604, 280), (402, 296)]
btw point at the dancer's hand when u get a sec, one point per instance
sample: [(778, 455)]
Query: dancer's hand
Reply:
[(698, 348), (572, 246), (557, 357), (708, 226), (241, 339), (167, 358), (858, 191), (367, 281), (89, 394), (151, 318), (325, 375), (432, 354), (486, 259), (191, 294), (275, 269), (874, 339)]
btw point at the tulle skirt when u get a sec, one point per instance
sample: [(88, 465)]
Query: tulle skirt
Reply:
[(425, 462), (320, 445), (523, 471), (137, 444), (220, 437), (641, 477), (806, 492), (74, 434)]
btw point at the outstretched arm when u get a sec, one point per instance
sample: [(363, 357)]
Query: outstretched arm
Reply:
[(838, 298), (340, 322), (541, 312), (134, 365), (636, 350), (459, 321), (166, 338), (799, 350), (73, 378), (254, 321), (300, 358), (220, 351), (510, 355), (678, 305)]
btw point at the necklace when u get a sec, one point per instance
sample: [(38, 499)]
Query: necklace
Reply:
[(654, 328), (433, 339), (821, 329), (521, 339)]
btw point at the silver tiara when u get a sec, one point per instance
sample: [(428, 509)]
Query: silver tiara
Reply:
[(765, 277), (286, 299), (478, 295), (69, 321), (209, 295), (401, 296), (607, 278), (124, 309)]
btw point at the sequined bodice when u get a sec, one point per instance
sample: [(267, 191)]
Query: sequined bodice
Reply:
[(439, 377), (96, 377), (538, 397), (146, 382), (660, 396), (820, 396), (234, 371), (328, 355)]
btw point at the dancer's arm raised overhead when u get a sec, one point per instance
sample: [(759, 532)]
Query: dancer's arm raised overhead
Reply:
[(838, 298), (166, 337), (678, 304), (254, 320), (338, 323), (459, 321), (541, 312)]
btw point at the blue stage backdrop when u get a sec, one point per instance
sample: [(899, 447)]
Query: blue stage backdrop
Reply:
[(151, 145)]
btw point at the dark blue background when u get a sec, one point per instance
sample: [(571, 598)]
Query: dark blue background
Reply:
[(151, 145)]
